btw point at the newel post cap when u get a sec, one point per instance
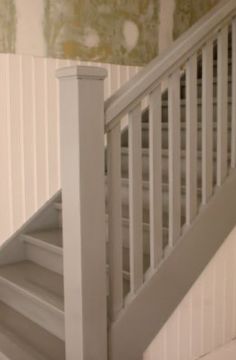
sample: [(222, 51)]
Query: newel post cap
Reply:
[(82, 72)]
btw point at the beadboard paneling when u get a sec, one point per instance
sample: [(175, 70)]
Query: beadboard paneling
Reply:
[(29, 132), (205, 320)]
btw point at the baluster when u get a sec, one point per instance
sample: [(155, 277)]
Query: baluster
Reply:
[(222, 106), (135, 199), (191, 139), (207, 122), (115, 220), (233, 130), (155, 177), (174, 158)]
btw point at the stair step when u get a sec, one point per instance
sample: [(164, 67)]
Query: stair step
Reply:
[(13, 348), (21, 339), (45, 248), (39, 250), (125, 200), (35, 292)]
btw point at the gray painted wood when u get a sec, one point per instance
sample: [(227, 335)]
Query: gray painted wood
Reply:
[(222, 108), (135, 199), (207, 122), (194, 250), (115, 254), (191, 140), (83, 194), (155, 178), (174, 159), (36, 293)]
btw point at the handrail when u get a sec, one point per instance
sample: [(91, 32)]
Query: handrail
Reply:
[(197, 35)]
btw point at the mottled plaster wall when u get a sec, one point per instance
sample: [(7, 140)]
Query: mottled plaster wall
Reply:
[(114, 31), (7, 26), (129, 32), (187, 12)]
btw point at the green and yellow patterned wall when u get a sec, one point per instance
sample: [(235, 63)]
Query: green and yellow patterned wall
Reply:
[(114, 31), (7, 26), (187, 12)]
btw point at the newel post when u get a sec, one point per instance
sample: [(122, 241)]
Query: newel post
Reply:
[(83, 197)]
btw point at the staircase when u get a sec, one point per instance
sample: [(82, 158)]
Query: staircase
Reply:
[(170, 201)]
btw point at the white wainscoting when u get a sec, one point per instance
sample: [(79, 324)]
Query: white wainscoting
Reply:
[(206, 318), (29, 133)]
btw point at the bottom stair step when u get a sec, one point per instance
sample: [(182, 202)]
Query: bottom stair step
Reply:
[(21, 339), (36, 293)]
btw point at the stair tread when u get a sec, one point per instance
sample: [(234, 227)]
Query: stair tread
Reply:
[(50, 236), (22, 339), (35, 281), (12, 347)]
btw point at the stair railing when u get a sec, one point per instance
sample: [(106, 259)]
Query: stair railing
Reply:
[(180, 62), (82, 169)]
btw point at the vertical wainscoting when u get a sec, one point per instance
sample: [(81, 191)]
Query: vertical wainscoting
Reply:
[(205, 320), (29, 133)]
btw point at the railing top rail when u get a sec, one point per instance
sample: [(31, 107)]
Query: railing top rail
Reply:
[(188, 43)]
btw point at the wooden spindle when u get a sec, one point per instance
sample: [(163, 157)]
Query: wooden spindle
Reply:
[(115, 244), (207, 122), (191, 139), (222, 106), (174, 158), (155, 177), (135, 199)]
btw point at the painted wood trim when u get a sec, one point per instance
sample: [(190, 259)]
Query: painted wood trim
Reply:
[(135, 199), (174, 158), (83, 197), (155, 178), (115, 252), (207, 122), (191, 139), (222, 106)]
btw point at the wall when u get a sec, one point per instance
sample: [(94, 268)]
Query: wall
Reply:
[(29, 136), (206, 318), (227, 352), (114, 31)]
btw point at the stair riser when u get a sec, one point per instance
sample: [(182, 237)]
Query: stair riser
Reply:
[(47, 259), (32, 308)]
